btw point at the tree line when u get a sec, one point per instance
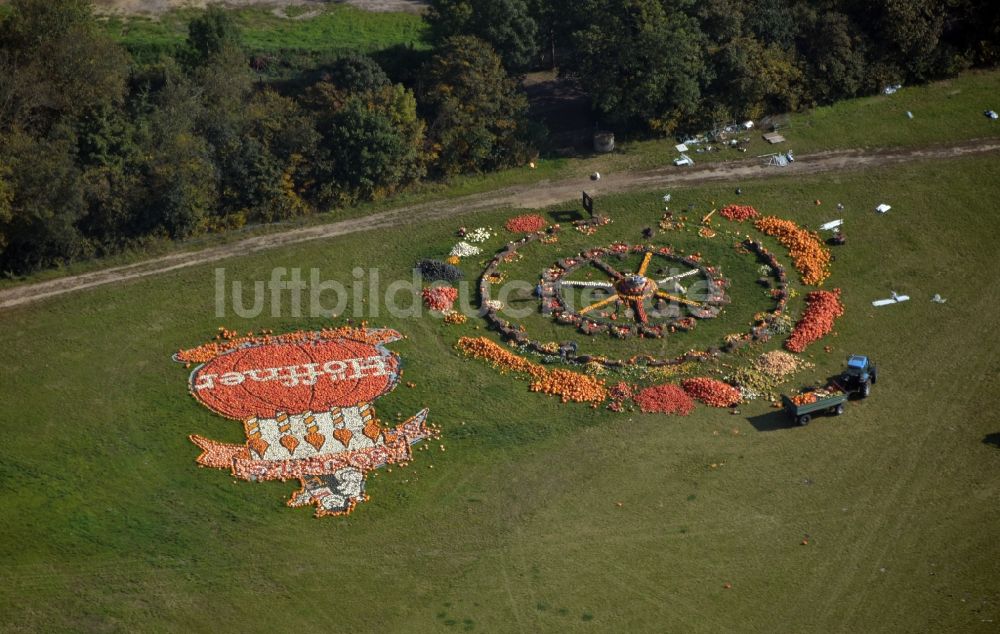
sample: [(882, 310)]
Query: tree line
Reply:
[(669, 65), (101, 151)]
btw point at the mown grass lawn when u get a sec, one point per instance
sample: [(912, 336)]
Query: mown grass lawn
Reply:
[(107, 523), (332, 28)]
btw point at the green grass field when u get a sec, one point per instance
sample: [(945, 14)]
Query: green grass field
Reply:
[(333, 28), (108, 525)]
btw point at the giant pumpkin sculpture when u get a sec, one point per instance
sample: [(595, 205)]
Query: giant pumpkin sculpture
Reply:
[(305, 402)]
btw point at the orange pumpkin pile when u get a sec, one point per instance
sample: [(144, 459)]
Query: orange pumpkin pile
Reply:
[(822, 309), (496, 355), (811, 258), (665, 399), (739, 213), (570, 386), (712, 392), (228, 340), (805, 398), (620, 395), (528, 223), (440, 298)]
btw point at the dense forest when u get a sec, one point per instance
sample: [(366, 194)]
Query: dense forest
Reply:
[(101, 152)]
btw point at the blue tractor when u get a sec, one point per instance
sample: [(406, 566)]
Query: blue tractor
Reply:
[(859, 376)]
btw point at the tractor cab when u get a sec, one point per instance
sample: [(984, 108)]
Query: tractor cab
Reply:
[(859, 375)]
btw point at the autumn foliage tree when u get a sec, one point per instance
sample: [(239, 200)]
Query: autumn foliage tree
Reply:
[(477, 113), (642, 62), (506, 25), (102, 150)]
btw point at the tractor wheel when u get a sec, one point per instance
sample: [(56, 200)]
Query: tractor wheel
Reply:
[(874, 377), (804, 419), (838, 410), (866, 389)]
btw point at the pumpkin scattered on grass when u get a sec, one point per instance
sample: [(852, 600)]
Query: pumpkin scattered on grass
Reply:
[(739, 213), (620, 395)]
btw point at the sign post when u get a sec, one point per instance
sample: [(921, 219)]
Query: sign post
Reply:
[(588, 204)]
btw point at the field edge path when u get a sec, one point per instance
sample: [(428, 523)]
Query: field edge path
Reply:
[(535, 195)]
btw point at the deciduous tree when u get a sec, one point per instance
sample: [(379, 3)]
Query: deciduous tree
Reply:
[(834, 57), (55, 63), (641, 63), (45, 202), (210, 33), (507, 25), (477, 111), (752, 79)]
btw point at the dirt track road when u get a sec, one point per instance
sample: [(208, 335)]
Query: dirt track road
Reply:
[(525, 196)]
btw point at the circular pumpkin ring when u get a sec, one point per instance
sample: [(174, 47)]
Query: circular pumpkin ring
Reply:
[(515, 335)]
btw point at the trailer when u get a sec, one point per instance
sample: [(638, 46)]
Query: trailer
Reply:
[(856, 379), (830, 400)]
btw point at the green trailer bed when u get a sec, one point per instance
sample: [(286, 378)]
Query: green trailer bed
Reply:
[(831, 401)]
